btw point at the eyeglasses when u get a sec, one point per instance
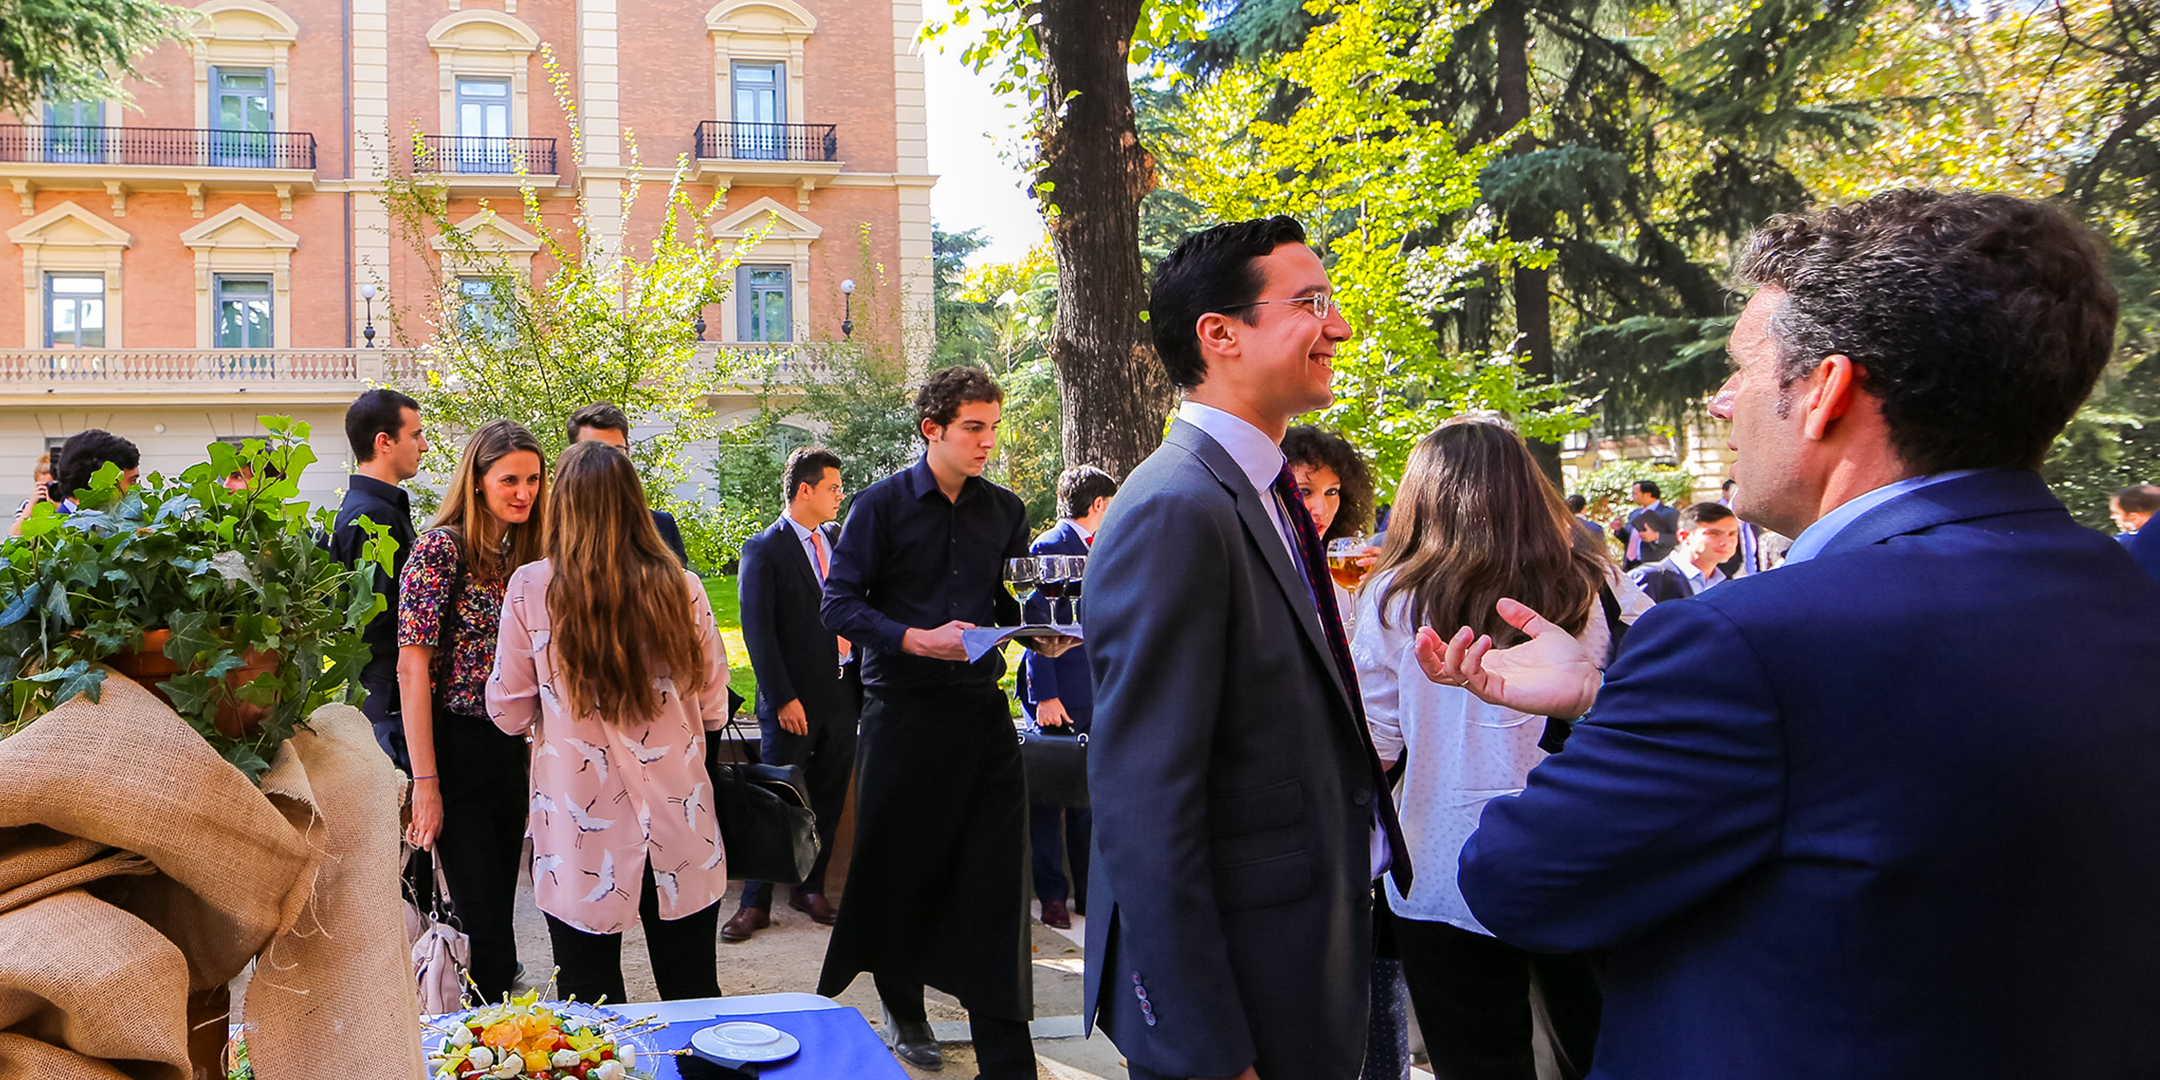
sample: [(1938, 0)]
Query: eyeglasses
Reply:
[(1320, 304)]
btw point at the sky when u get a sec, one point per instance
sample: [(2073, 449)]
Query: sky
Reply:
[(976, 188)]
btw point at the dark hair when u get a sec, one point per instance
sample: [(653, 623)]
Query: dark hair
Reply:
[(949, 388), (1705, 513), (87, 451), (1650, 488), (1476, 520), (1309, 446), (1211, 271), (1728, 484), (599, 414), (1079, 487), (1979, 322), (380, 411), (1576, 503), (2139, 499), (805, 465)]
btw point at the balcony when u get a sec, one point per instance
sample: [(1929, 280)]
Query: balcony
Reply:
[(291, 376), (482, 163), (143, 158), (767, 155)]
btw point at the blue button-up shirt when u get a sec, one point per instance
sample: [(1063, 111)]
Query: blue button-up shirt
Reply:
[(909, 558), (1813, 539)]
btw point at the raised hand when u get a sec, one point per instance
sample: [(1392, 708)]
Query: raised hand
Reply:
[(1551, 674)]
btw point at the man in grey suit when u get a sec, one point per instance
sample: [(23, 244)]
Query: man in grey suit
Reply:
[(1240, 813)]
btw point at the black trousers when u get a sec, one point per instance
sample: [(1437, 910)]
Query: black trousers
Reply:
[(827, 755), (485, 801), (684, 952), (1003, 1050), (381, 707), (1059, 836), (1473, 998)]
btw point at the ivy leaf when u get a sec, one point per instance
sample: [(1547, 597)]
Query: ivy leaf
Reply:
[(190, 638), (245, 759), (226, 661), (76, 678), (190, 694), (21, 605), (56, 603)]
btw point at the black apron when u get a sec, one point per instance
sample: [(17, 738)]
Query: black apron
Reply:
[(937, 890)]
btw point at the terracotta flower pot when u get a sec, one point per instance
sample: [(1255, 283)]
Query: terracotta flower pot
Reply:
[(151, 666)]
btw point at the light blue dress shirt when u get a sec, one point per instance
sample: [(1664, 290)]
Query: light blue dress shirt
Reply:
[(1813, 539)]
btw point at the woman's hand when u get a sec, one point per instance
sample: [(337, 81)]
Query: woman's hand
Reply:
[(427, 813)]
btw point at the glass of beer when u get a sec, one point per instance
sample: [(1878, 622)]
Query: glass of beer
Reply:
[(1344, 560)]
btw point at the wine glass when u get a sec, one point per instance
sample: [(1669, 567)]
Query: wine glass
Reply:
[(1345, 555), (1057, 579), (1021, 575), (1077, 566)]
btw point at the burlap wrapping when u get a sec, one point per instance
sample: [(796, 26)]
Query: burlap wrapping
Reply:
[(136, 865)]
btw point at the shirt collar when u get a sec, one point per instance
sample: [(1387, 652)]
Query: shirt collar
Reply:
[(1081, 529), (1813, 539), (802, 532), (1256, 455), (390, 493), (1701, 580), (922, 481)]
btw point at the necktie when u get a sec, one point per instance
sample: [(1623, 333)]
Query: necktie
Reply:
[(1313, 561), (817, 545)]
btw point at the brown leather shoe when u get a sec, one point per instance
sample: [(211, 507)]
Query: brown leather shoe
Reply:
[(815, 906), (1054, 914), (745, 922)]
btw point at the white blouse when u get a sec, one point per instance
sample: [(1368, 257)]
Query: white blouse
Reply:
[(1462, 752)]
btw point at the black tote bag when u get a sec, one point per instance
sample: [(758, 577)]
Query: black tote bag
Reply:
[(1056, 767), (766, 825)]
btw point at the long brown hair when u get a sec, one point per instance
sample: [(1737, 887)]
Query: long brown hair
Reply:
[(618, 601), (1475, 520), (464, 507)]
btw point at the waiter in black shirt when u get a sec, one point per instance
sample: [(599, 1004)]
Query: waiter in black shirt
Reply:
[(387, 443), (936, 894)]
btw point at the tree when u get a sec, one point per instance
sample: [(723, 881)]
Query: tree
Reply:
[(1070, 58), (78, 50)]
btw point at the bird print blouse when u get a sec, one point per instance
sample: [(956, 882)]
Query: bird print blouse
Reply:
[(608, 798)]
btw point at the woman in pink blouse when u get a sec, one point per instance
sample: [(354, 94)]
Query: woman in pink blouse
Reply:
[(609, 656)]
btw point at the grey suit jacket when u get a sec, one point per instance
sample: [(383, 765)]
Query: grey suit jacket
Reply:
[(1231, 787)]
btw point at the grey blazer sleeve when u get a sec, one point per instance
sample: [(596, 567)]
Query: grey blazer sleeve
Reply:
[(1157, 626)]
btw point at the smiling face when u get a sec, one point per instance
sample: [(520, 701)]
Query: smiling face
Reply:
[(1712, 542), (1322, 491), (962, 448), (510, 486), (1280, 364)]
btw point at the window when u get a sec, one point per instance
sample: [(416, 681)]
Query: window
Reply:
[(75, 131), (480, 311), (241, 306), (760, 112), (764, 307), (483, 112), (240, 117), (74, 311)]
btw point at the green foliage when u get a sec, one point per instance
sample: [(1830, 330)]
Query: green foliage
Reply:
[(1001, 316), (1606, 487), (588, 323), (1006, 47), (77, 50), (2113, 443), (228, 570)]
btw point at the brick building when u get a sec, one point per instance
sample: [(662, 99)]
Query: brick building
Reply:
[(200, 258)]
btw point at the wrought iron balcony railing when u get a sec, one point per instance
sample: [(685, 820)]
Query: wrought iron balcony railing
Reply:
[(63, 144), (746, 141), (483, 155)]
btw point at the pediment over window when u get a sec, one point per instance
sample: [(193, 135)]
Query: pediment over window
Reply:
[(786, 225), (69, 225), (241, 227), (782, 17), (244, 20), (488, 231), (482, 31)]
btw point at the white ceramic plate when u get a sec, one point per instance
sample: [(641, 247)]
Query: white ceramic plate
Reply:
[(745, 1040)]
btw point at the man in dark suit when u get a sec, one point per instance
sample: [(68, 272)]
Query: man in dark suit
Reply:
[(808, 693), (1240, 812), (603, 422), (1709, 534), (1651, 528), (1879, 812), (1059, 695)]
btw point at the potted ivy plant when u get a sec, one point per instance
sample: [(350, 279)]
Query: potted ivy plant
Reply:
[(212, 587)]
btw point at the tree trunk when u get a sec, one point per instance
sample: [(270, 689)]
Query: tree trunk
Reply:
[(1095, 172), (1532, 289)]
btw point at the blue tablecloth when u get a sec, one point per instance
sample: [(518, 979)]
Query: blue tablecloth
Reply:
[(836, 1041)]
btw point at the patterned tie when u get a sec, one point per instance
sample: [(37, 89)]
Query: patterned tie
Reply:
[(1313, 560), (817, 544)]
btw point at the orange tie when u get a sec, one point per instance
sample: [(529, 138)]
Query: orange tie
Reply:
[(817, 544)]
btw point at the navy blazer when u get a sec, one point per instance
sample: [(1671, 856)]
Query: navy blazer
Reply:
[(671, 536), (2145, 548), (1233, 789), (791, 651), (1885, 813), (1065, 678)]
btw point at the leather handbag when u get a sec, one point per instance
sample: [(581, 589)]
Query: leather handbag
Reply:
[(1056, 767), (767, 827), (440, 953)]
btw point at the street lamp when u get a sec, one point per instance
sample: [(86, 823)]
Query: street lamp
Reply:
[(847, 313), (367, 293)]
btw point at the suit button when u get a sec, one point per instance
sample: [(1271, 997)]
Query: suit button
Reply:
[(1362, 797)]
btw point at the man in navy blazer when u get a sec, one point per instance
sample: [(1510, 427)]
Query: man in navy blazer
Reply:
[(1240, 812), (1882, 811), (603, 422), (1059, 697), (809, 694)]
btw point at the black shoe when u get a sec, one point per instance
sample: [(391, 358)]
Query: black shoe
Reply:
[(913, 1043)]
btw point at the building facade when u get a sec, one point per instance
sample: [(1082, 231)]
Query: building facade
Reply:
[(221, 248)]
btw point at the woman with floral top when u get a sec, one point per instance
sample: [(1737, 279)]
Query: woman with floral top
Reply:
[(468, 776), (609, 656)]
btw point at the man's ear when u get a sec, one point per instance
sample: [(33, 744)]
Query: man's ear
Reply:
[(1217, 332), (929, 429), (1836, 387), (383, 441)]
